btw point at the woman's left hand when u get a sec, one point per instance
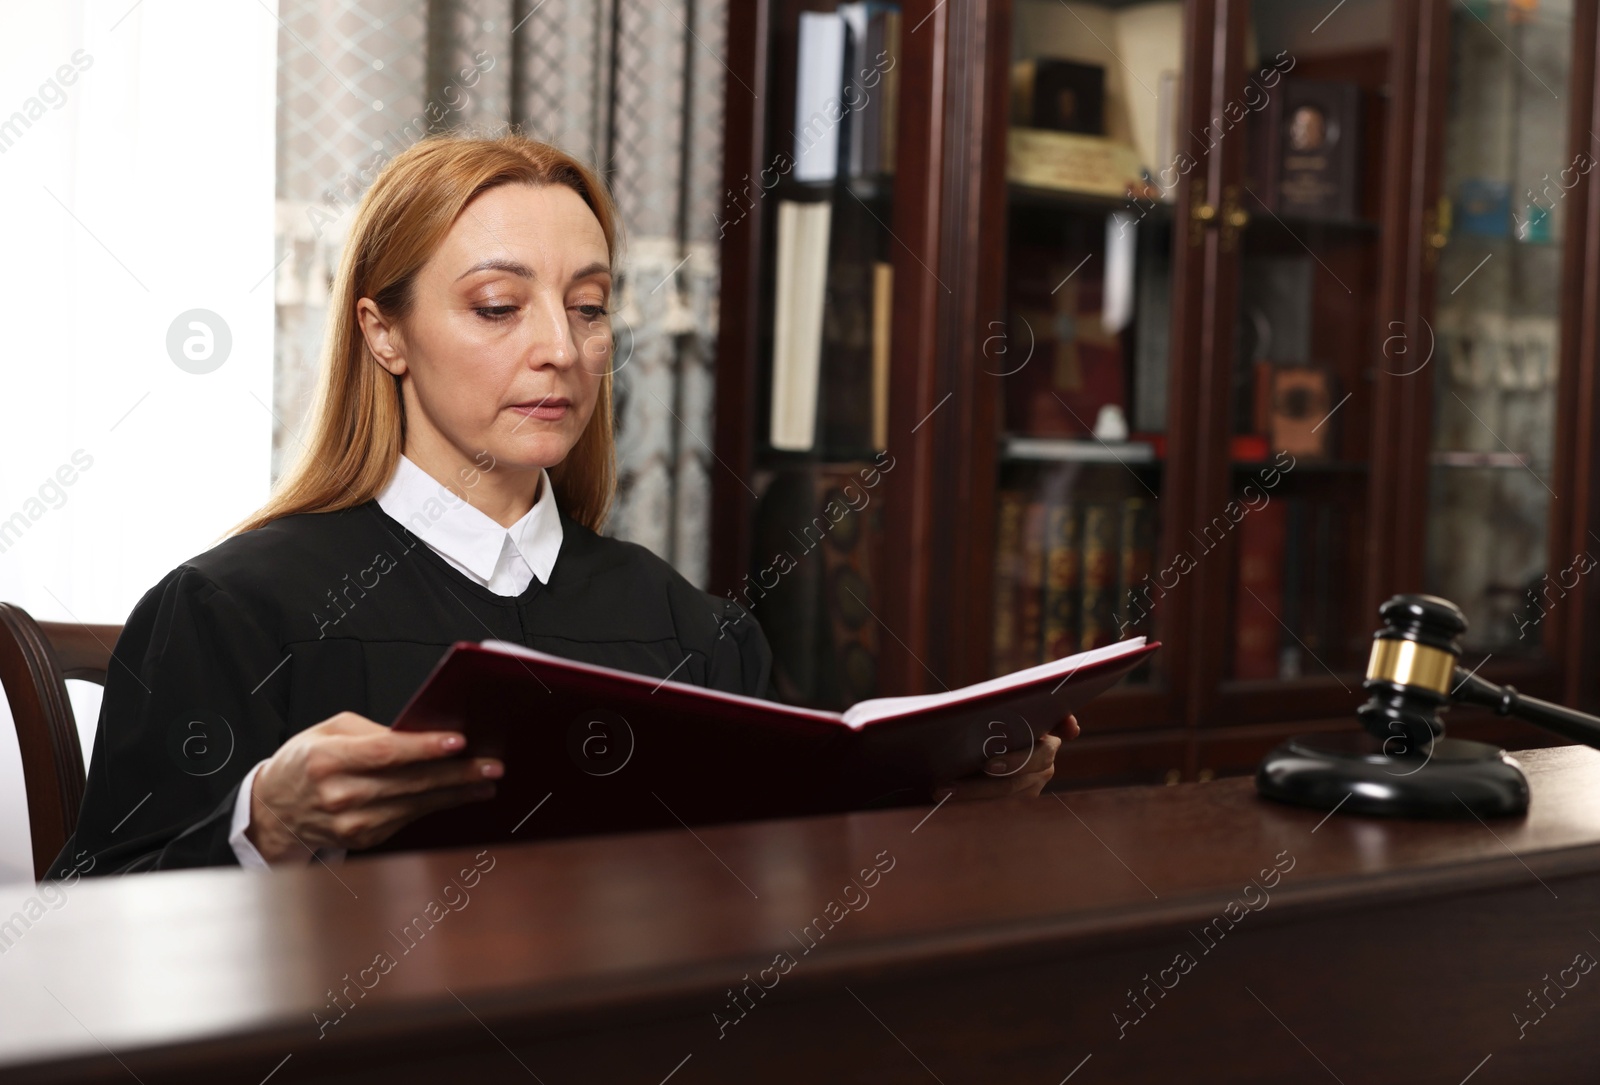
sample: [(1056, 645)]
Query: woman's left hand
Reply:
[(1020, 774)]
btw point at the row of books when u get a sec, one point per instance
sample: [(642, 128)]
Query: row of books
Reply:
[(847, 88), (834, 281), (1288, 619), (1075, 575), (830, 345), (814, 580), (1064, 571)]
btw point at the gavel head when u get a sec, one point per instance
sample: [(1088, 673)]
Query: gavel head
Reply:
[(1409, 674)]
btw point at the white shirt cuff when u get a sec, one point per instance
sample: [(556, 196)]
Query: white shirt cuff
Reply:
[(245, 851)]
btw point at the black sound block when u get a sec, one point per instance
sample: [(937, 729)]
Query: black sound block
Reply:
[(1453, 778)]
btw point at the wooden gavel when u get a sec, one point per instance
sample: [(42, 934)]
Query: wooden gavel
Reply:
[(1413, 674)]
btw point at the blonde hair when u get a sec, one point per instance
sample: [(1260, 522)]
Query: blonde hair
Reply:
[(358, 420)]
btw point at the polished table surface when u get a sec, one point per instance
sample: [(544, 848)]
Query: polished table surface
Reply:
[(1041, 940)]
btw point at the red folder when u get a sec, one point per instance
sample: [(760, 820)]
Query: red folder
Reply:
[(591, 749)]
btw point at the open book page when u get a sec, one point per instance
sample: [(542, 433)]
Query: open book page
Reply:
[(655, 685), (864, 712)]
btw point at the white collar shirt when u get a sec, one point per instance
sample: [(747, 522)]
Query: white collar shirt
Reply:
[(503, 559)]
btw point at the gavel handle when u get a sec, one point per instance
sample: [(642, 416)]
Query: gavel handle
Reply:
[(1506, 701)]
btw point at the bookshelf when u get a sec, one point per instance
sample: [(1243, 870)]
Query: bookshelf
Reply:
[(1334, 340)]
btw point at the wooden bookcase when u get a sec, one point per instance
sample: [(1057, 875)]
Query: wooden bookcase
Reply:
[(1402, 496)]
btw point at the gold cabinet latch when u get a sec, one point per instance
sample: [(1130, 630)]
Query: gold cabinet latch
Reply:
[(1201, 213), (1436, 230), (1231, 216), (1234, 218)]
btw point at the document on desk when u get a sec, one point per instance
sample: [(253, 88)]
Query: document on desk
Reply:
[(589, 748)]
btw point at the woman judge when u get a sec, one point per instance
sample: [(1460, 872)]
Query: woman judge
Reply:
[(457, 473)]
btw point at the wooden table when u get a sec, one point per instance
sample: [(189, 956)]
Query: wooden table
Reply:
[(1072, 937)]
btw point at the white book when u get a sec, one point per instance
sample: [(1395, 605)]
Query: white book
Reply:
[(802, 265), (818, 107)]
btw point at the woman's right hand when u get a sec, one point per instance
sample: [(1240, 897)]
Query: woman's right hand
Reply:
[(349, 782)]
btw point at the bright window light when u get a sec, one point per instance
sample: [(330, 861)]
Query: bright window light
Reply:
[(136, 177)]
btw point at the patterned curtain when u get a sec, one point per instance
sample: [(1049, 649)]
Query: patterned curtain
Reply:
[(633, 87)]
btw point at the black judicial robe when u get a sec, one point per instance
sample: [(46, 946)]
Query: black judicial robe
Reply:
[(279, 628)]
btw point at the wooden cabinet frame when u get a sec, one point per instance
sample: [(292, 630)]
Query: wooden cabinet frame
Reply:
[(949, 230)]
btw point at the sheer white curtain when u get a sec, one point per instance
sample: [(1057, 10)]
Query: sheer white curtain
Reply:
[(136, 346)]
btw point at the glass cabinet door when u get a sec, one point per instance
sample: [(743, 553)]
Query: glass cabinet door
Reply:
[(1507, 168), (1084, 349), (1313, 111)]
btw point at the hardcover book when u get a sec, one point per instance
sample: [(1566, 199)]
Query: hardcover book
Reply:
[(1136, 564), (1063, 585), (1259, 598), (847, 406), (1062, 95), (1303, 158), (798, 322), (813, 582), (1101, 526), (1007, 566), (591, 749), (1030, 586), (820, 74)]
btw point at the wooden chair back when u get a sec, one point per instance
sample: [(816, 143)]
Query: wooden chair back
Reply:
[(36, 659)]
